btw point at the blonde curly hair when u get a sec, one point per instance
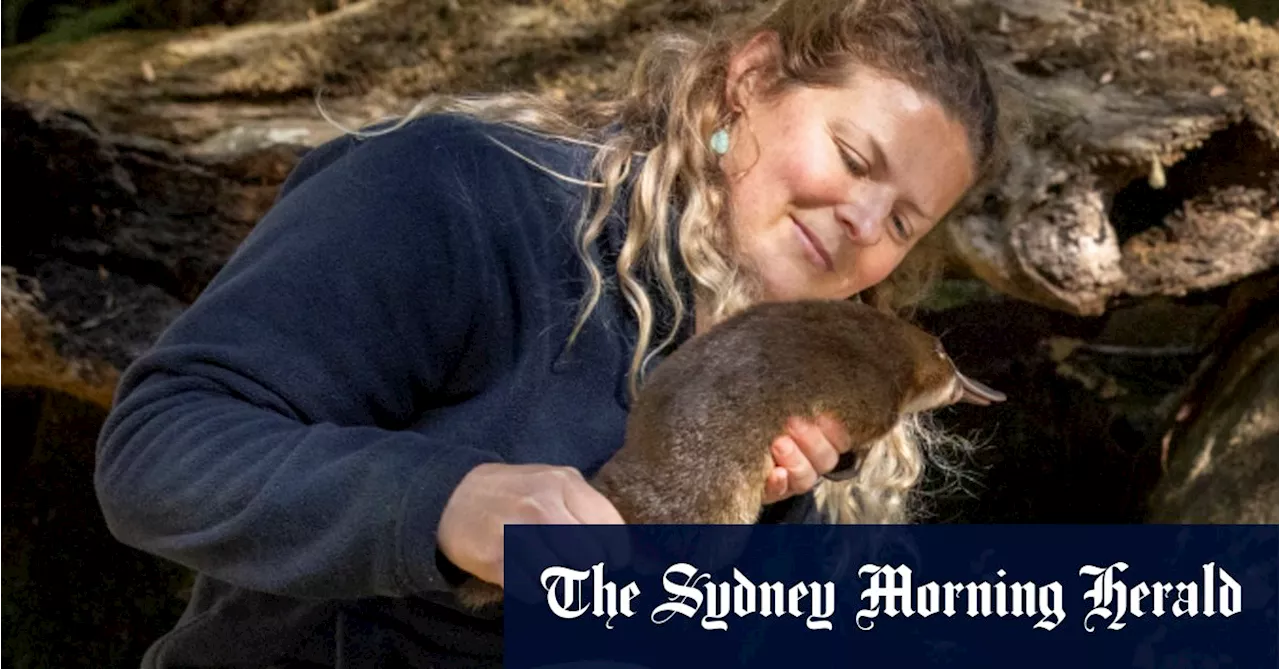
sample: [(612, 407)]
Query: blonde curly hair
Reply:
[(675, 100)]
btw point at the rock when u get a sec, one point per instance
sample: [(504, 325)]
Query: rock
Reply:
[(1221, 465)]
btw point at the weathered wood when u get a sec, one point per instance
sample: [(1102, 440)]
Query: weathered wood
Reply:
[(1149, 162), (108, 239), (1116, 96), (195, 131), (370, 58), (1221, 458)]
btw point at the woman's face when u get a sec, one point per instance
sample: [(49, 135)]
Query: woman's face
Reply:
[(830, 188)]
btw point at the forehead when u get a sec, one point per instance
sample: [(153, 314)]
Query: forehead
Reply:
[(925, 151)]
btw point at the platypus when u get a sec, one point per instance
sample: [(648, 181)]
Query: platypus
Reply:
[(698, 437)]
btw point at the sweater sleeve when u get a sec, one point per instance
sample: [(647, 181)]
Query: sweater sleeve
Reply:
[(262, 439), (797, 510)]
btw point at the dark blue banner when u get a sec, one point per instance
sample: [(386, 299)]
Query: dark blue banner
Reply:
[(1149, 596)]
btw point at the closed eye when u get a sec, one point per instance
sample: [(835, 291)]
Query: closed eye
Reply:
[(856, 167), (901, 226)]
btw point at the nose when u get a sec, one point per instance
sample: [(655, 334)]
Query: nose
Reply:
[(863, 216)]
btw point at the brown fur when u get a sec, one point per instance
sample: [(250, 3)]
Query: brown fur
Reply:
[(697, 447)]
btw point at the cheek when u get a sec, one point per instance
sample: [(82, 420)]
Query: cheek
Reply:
[(798, 158), (764, 197), (812, 177), (873, 266)]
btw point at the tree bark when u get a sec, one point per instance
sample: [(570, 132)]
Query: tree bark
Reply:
[(1114, 96), (108, 240), (1148, 160), (1220, 455)]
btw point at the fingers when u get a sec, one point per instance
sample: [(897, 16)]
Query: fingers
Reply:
[(800, 473), (812, 440), (835, 433), (572, 501), (472, 530), (589, 507), (809, 449), (775, 487)]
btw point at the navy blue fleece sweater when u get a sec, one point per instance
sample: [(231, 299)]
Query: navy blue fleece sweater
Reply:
[(398, 317)]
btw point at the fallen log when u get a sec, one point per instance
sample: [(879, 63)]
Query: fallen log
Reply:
[(1149, 150), (1148, 165), (109, 239), (1219, 455)]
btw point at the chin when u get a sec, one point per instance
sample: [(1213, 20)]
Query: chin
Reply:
[(791, 291), (788, 278), (790, 286)]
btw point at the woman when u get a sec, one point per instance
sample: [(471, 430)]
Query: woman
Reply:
[(437, 328)]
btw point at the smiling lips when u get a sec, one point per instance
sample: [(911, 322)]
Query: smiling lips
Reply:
[(814, 248)]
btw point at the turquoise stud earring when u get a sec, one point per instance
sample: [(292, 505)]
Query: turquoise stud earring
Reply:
[(720, 141)]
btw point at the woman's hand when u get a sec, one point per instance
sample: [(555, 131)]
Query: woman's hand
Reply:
[(493, 495), (805, 452)]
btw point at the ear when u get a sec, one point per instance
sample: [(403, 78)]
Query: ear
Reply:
[(746, 64)]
